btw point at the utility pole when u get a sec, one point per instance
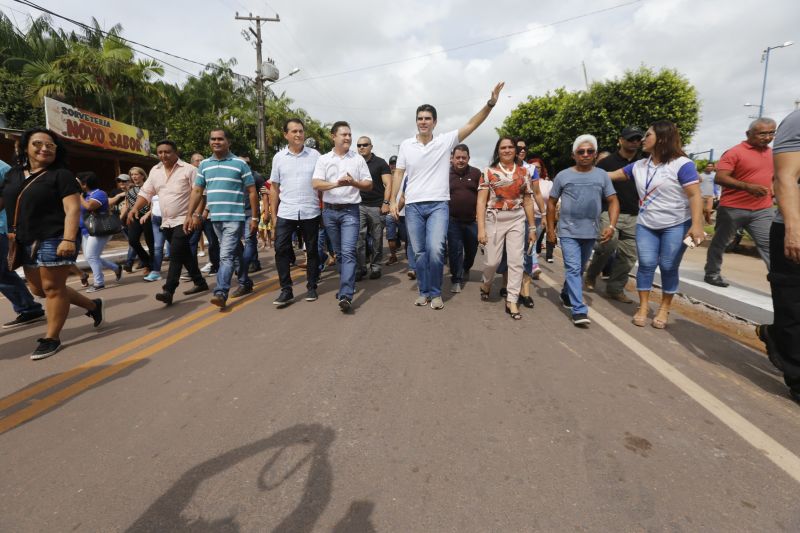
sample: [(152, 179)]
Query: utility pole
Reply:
[(261, 142)]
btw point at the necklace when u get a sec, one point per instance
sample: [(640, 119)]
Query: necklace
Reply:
[(506, 171)]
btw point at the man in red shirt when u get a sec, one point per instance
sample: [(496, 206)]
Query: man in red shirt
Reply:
[(745, 174)]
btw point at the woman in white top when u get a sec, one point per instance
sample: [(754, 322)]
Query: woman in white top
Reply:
[(670, 211)]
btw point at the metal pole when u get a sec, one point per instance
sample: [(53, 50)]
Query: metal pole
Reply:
[(261, 142), (764, 84)]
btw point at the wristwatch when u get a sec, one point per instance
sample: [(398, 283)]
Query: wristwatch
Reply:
[(254, 219), (489, 103), (387, 202)]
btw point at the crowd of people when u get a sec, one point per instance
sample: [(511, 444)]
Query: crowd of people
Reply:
[(643, 203)]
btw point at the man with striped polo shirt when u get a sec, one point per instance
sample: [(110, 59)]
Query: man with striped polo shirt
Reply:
[(227, 180)]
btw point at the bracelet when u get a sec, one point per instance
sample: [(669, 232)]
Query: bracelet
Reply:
[(254, 219), (612, 226), (387, 202), (68, 240), (195, 215)]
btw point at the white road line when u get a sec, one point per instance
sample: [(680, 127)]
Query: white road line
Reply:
[(772, 449), (735, 293)]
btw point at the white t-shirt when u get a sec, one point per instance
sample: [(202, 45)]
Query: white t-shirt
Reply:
[(330, 167), (155, 206), (662, 200), (427, 167)]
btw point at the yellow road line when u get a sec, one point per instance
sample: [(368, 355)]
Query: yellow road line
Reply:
[(19, 396), (50, 401), (772, 449)]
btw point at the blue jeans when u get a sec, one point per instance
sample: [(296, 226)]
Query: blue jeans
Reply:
[(250, 254), (158, 242), (662, 248), (462, 245), (391, 227), (402, 231), (576, 254), (229, 234), (427, 231), (342, 227), (92, 248), (12, 286)]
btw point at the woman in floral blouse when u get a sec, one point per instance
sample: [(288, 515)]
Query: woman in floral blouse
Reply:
[(504, 203)]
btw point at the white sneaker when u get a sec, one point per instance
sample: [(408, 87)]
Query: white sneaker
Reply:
[(206, 269), (201, 253)]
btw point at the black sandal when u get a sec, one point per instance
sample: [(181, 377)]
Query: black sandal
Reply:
[(515, 316), (527, 301), (484, 294)]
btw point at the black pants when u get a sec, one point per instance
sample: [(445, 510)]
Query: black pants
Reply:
[(284, 230), (181, 255), (135, 230), (784, 280)]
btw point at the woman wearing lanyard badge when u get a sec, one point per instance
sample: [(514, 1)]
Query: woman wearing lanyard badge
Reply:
[(670, 215)]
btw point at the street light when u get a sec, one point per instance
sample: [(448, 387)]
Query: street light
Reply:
[(294, 71), (751, 105), (765, 60)]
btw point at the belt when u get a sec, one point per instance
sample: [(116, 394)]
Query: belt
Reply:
[(338, 207)]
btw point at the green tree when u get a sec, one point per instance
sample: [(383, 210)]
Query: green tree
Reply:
[(551, 122)]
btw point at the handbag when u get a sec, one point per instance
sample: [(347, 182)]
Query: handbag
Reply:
[(15, 257), (102, 224)]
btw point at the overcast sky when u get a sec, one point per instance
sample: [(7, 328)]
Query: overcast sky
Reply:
[(451, 53)]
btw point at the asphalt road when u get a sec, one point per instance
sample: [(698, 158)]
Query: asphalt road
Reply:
[(394, 418)]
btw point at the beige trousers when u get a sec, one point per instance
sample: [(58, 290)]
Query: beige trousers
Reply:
[(505, 229)]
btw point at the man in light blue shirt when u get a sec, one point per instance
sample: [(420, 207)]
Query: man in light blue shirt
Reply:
[(11, 285), (581, 189), (228, 183), (292, 170)]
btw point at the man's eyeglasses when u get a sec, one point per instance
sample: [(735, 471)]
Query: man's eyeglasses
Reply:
[(590, 151), (521, 148), (634, 140), (43, 144), (363, 145)]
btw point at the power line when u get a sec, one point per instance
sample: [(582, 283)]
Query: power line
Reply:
[(468, 45), (129, 41)]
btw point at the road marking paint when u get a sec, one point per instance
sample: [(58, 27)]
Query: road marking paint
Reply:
[(772, 449), (19, 396), (50, 401)]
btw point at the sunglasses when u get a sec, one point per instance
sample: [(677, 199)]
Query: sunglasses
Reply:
[(590, 151), (363, 145), (40, 144)]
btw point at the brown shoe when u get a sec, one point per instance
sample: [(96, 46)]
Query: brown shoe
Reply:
[(619, 297), (392, 260), (588, 283)]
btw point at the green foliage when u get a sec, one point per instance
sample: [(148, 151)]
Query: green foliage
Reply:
[(99, 72), (14, 105), (550, 123)]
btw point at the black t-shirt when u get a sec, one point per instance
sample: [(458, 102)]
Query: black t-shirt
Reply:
[(260, 181), (626, 190), (41, 210), (377, 168)]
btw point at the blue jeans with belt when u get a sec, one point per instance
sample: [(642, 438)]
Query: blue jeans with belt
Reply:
[(342, 224)]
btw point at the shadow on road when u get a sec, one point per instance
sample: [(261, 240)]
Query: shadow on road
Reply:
[(165, 514), (720, 350)]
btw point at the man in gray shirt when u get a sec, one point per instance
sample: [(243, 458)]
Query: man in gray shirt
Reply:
[(581, 189), (782, 337)]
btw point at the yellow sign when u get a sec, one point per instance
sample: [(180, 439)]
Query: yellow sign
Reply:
[(90, 128)]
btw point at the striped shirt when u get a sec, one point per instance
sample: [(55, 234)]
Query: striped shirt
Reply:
[(226, 181)]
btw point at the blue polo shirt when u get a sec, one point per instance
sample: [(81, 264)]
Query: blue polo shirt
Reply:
[(581, 196), (225, 181), (3, 224)]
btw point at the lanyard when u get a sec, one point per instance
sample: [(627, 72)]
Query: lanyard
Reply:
[(648, 181)]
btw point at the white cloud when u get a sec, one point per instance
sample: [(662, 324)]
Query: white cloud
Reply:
[(716, 44)]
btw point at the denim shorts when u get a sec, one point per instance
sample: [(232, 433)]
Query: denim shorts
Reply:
[(46, 254)]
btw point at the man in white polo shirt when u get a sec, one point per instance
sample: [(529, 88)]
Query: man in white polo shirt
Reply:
[(425, 160), (341, 174)]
